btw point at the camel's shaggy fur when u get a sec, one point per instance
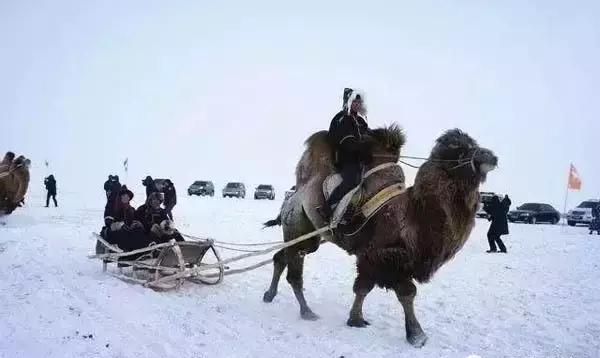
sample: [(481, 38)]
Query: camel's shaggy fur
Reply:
[(410, 238)]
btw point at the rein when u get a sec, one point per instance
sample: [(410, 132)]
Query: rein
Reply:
[(460, 162)]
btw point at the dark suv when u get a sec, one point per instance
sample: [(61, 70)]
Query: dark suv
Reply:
[(264, 191), (234, 189), (202, 188), (534, 213)]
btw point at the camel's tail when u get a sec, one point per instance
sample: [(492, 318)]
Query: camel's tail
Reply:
[(274, 222)]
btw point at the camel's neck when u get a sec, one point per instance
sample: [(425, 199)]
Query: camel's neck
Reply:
[(444, 212)]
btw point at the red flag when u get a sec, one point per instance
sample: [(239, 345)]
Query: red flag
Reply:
[(574, 179)]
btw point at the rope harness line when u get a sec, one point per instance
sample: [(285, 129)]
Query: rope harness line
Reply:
[(183, 273), (461, 162)]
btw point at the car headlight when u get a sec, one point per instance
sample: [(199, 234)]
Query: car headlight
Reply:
[(526, 214)]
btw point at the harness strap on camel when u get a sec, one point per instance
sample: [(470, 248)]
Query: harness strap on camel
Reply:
[(331, 182), (380, 199)]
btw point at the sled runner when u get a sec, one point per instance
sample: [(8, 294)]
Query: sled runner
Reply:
[(163, 266)]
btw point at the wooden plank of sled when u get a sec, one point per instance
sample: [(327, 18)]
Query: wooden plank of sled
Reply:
[(127, 278), (106, 243), (142, 265), (127, 253), (195, 271), (122, 253), (162, 285)]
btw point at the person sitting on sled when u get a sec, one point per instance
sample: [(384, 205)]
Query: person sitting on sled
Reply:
[(348, 133), (155, 220), (120, 226)]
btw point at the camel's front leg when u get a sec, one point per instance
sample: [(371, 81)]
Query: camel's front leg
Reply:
[(406, 292), (361, 288)]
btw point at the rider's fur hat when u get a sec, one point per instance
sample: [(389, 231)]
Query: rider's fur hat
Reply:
[(352, 94), (125, 190)]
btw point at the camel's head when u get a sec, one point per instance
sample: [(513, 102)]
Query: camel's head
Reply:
[(388, 141), (460, 155)]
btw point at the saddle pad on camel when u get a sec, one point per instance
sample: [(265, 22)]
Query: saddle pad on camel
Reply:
[(330, 183)]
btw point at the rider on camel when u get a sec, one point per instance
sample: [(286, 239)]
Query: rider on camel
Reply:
[(347, 135)]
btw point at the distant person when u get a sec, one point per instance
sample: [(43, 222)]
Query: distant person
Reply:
[(170, 198), (497, 212), (50, 184), (595, 224), (150, 186), (112, 186)]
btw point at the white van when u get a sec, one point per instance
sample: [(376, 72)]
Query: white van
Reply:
[(582, 214)]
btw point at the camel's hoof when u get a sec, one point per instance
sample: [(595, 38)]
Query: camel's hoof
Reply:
[(309, 316), (417, 340), (269, 296), (357, 322)]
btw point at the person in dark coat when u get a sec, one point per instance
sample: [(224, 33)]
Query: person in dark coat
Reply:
[(595, 224), (120, 226), (112, 185), (155, 220), (150, 186), (170, 198), (497, 215), (348, 133), (50, 184), (121, 210)]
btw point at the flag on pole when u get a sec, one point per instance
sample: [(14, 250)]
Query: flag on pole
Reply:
[(126, 164), (574, 179)]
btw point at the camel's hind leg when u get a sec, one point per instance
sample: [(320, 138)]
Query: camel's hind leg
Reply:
[(406, 292), (294, 277), (279, 264)]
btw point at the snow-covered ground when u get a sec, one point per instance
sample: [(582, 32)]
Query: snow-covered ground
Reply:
[(540, 300)]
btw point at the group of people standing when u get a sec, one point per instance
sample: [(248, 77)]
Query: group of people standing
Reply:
[(131, 228), (168, 191)]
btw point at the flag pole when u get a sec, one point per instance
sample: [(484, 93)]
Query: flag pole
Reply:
[(126, 167), (566, 198)]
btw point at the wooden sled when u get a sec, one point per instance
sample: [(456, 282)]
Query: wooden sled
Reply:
[(163, 266)]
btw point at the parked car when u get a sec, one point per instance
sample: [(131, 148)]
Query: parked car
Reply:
[(202, 188), (533, 213), (290, 192), (582, 214), (234, 189), (264, 191)]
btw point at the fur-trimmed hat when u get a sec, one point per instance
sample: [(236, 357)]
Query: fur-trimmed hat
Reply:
[(352, 94), (125, 190)]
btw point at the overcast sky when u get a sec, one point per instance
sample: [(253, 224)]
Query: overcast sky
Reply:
[(227, 90)]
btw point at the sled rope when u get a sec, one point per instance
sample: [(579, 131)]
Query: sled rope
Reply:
[(197, 270), (180, 272)]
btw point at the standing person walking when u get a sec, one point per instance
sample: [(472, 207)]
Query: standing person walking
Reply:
[(170, 198), (497, 215), (50, 183)]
